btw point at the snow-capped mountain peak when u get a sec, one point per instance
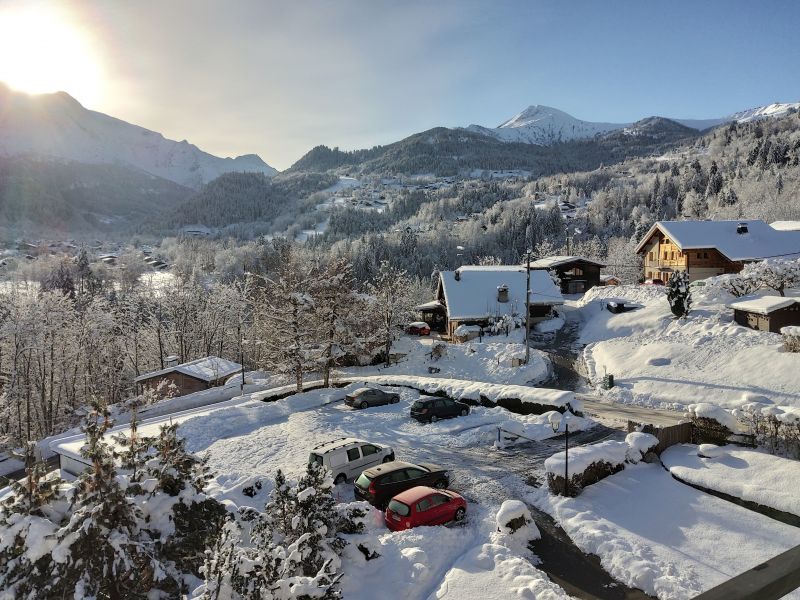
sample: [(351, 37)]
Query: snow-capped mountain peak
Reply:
[(57, 125)]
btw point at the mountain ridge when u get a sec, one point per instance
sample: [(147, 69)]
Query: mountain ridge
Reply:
[(57, 125)]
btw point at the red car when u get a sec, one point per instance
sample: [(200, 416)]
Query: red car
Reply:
[(418, 328), (423, 505)]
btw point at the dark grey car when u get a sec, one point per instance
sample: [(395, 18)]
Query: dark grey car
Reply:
[(364, 397)]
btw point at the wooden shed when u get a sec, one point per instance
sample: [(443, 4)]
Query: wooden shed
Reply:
[(193, 376), (766, 313), (577, 273)]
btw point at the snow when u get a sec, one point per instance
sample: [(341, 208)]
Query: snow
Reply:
[(763, 305), (791, 330), (641, 442), (760, 241), (707, 410), (549, 326), (514, 509), (474, 295), (664, 537), (660, 361), (785, 225), (751, 475), (57, 125), (610, 451)]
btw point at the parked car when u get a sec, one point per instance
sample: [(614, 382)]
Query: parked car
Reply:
[(346, 457), (654, 282), (422, 505), (418, 328), (364, 397), (377, 485), (431, 410)]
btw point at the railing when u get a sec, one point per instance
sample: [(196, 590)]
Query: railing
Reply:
[(768, 581)]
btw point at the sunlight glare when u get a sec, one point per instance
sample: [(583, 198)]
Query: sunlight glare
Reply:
[(42, 50)]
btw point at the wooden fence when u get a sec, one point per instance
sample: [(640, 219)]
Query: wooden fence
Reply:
[(667, 436)]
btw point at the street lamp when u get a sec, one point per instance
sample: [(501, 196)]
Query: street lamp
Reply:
[(555, 422)]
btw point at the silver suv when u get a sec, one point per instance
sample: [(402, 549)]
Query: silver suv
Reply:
[(347, 457), (364, 397)]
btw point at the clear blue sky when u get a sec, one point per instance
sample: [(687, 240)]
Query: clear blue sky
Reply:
[(277, 78)]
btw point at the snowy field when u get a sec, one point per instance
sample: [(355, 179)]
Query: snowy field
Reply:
[(663, 362), (251, 440), (665, 537), (747, 474)]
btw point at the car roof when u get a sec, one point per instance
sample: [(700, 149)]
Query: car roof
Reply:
[(360, 391), (415, 494), (336, 444), (389, 467)]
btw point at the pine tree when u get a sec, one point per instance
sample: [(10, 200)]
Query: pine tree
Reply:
[(678, 294)]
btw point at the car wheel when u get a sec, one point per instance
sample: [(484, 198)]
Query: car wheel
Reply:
[(395, 399), (434, 418), (440, 485), (460, 514), (464, 412), (364, 404), (340, 478)]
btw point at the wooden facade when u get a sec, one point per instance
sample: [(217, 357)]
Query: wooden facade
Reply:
[(578, 276), (662, 258), (184, 384), (772, 322)]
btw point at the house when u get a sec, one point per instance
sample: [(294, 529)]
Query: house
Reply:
[(707, 248), (766, 313), (606, 279), (577, 273), (193, 376), (478, 295)]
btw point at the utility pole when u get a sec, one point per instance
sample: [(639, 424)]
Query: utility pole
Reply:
[(528, 309)]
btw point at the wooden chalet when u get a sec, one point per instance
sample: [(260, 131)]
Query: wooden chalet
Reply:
[(577, 273), (708, 248), (479, 295), (766, 313), (193, 376)]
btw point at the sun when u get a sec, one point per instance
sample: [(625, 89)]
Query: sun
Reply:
[(42, 49)]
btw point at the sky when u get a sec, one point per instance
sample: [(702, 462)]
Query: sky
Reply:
[(278, 78)]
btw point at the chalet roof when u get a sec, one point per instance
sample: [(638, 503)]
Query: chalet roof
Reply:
[(474, 295), (785, 225), (760, 241), (206, 369), (432, 305), (550, 262), (763, 305)]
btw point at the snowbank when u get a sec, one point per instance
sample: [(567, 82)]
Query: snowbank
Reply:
[(747, 474), (516, 510), (640, 444), (705, 410), (580, 458), (705, 540)]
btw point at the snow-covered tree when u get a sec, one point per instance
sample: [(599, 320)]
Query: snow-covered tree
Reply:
[(776, 273), (678, 294), (393, 303)]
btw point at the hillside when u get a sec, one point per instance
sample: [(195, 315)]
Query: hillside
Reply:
[(56, 125)]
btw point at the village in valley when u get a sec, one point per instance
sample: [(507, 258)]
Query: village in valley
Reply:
[(548, 359)]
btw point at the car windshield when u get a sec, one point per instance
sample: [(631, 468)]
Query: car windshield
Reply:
[(419, 404), (399, 508), (363, 481), (315, 458)]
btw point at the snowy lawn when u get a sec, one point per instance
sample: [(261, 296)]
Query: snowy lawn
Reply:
[(488, 361), (747, 474), (665, 537), (660, 361)]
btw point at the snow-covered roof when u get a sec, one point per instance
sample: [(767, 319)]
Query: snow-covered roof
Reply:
[(605, 277), (209, 368), (433, 304), (760, 241), (785, 225), (474, 295), (554, 261), (762, 305)]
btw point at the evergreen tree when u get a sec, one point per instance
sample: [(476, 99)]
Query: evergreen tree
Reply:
[(678, 294)]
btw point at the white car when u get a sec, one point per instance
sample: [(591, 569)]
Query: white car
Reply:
[(346, 458)]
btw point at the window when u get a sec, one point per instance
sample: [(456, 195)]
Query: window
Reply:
[(673, 255), (353, 454), (705, 254), (399, 508), (315, 458), (414, 473), (368, 450), (440, 404), (423, 504), (651, 256), (438, 499), (665, 254), (577, 271), (395, 477)]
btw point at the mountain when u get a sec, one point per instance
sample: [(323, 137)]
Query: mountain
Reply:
[(56, 125), (545, 125)]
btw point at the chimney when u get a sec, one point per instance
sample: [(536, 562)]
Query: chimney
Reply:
[(502, 293), (741, 228), (457, 275), (171, 360)]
